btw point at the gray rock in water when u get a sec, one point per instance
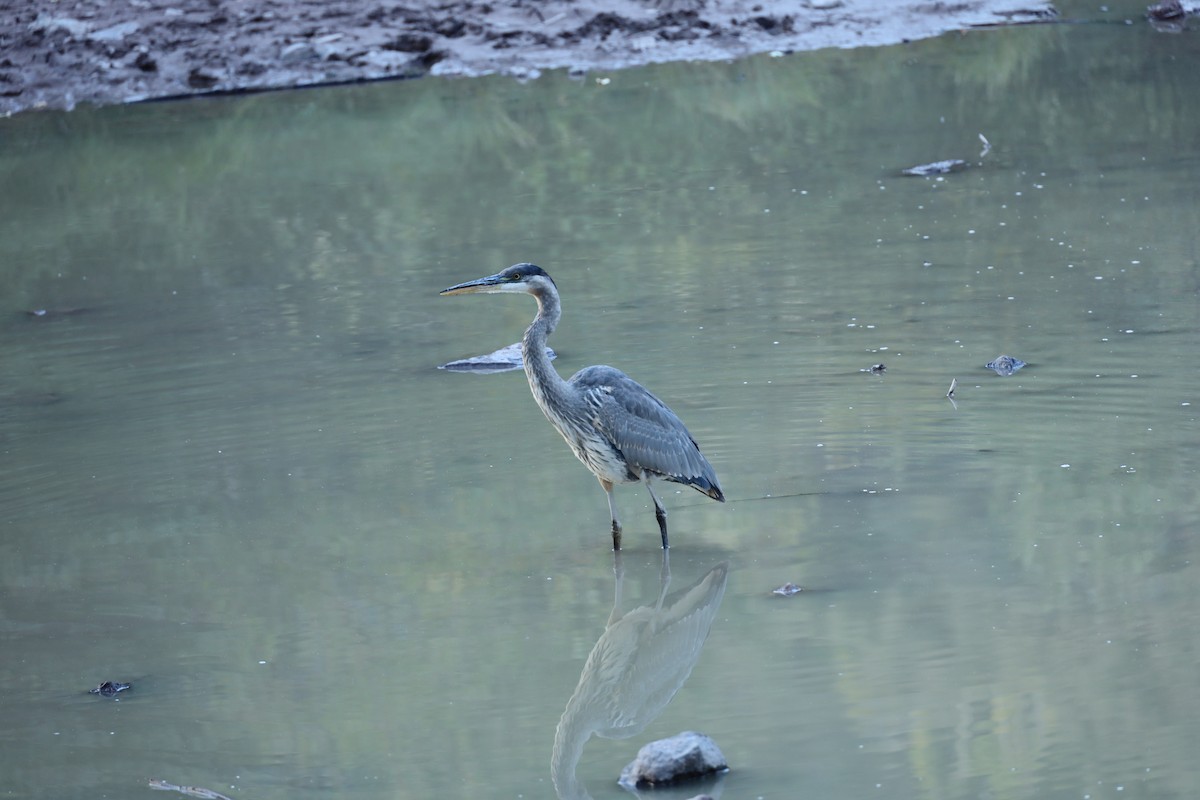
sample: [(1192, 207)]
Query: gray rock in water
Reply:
[(1004, 365), (110, 688), (682, 757)]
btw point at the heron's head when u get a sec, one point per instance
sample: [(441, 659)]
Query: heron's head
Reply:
[(522, 278)]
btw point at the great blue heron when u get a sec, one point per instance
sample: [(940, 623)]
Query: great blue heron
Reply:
[(620, 431)]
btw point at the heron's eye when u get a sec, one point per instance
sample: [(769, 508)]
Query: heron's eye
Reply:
[(516, 277)]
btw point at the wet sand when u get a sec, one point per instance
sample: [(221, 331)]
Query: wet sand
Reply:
[(57, 54)]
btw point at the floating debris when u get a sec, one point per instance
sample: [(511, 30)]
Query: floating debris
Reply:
[(987, 146), (875, 369), (110, 688), (787, 590), (953, 386), (191, 791), (51, 313), (502, 360), (936, 168), (1004, 365)]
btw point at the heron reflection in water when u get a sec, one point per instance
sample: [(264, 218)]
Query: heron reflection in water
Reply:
[(614, 425), (637, 665)]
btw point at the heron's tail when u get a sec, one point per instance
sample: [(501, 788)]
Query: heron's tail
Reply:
[(706, 486)]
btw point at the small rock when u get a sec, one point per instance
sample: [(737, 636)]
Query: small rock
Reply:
[(774, 25), (1004, 365), (409, 43), (298, 51), (450, 28), (252, 69), (330, 50), (198, 78), (145, 62), (685, 756), (73, 27), (114, 33)]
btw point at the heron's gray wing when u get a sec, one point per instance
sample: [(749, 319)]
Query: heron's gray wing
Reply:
[(644, 429)]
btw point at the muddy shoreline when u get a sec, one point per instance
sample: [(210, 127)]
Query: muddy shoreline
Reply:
[(56, 54)]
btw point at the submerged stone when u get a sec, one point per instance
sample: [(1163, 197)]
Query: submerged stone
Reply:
[(110, 688), (1166, 10), (1004, 365), (684, 756)]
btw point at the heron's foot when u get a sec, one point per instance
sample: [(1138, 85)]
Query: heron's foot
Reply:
[(616, 532)]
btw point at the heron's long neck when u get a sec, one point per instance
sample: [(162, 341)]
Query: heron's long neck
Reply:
[(544, 380)]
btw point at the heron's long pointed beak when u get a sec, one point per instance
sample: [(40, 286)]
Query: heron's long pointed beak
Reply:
[(470, 287)]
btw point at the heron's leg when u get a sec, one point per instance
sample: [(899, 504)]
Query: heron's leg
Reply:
[(612, 511), (618, 586), (660, 513), (664, 579)]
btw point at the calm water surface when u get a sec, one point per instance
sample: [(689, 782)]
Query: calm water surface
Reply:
[(232, 474)]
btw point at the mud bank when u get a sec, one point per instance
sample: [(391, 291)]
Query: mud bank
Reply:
[(56, 54)]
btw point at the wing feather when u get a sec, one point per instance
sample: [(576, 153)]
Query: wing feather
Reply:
[(647, 432)]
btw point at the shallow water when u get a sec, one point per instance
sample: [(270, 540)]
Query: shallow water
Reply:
[(232, 474)]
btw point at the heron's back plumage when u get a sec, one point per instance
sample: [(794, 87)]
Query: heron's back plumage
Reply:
[(643, 429)]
